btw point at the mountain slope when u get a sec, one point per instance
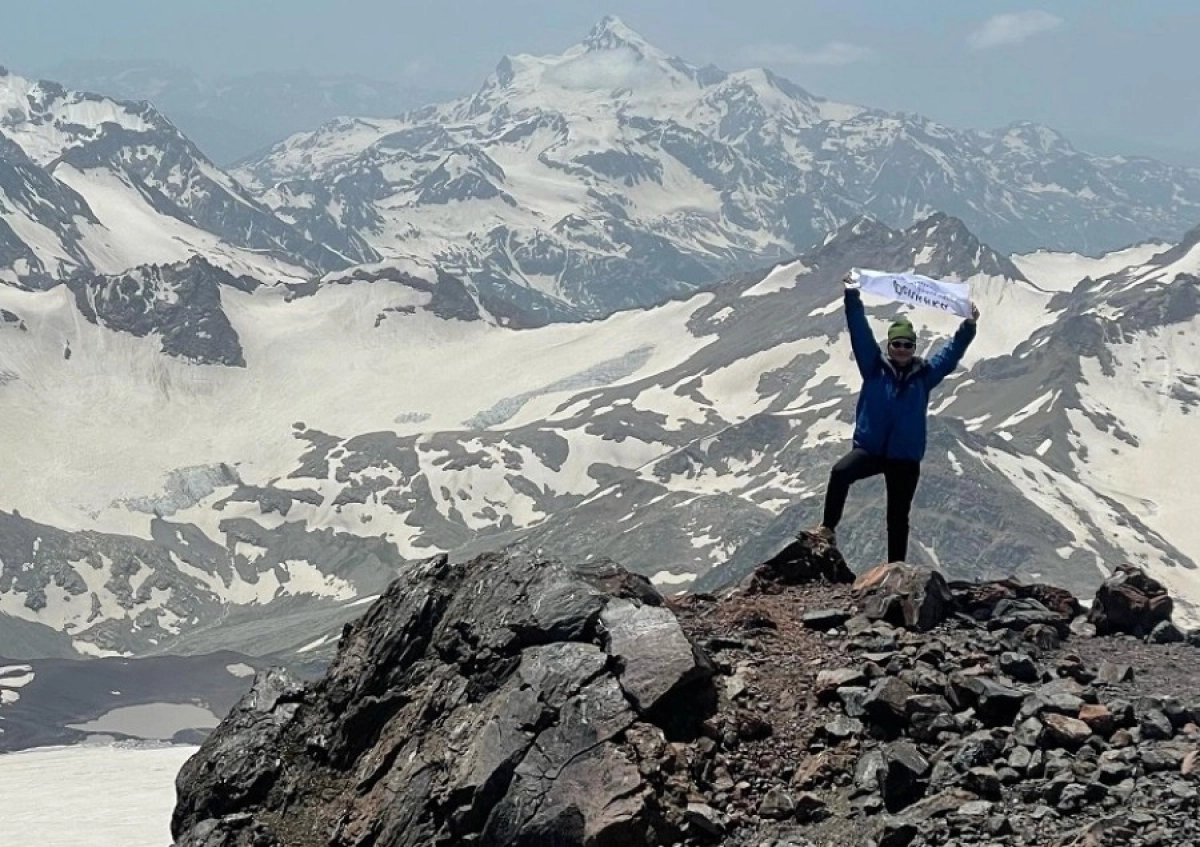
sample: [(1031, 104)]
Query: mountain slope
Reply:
[(91, 184), (382, 419), (615, 175)]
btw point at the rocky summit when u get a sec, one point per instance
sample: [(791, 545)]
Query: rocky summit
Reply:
[(514, 700)]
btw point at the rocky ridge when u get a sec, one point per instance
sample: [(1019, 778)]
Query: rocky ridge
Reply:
[(520, 701)]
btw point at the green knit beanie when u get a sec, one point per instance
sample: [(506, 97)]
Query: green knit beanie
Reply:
[(902, 328)]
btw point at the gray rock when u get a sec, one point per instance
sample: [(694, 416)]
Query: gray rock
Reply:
[(828, 682), (1123, 712), (245, 745), (1019, 666), (1029, 733), (1063, 731), (902, 781), (996, 704), (911, 596), (978, 749), (1155, 725), (927, 715), (1111, 673), (1113, 771), (1179, 714), (1022, 613), (1020, 758), (886, 703), (853, 699), (897, 833), (806, 559), (1162, 758), (810, 807), (867, 771), (943, 774), (825, 619), (705, 818), (777, 805), (1072, 798), (842, 727), (1102, 833), (1165, 632), (657, 658), (1043, 636), (983, 781)]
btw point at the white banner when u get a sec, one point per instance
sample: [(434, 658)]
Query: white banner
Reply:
[(916, 290)]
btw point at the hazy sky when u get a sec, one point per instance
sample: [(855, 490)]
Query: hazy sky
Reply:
[(1095, 70)]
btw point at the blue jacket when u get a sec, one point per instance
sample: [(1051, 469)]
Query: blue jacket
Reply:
[(893, 404)]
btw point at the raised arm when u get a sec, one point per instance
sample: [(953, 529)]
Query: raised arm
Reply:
[(946, 360), (866, 349)]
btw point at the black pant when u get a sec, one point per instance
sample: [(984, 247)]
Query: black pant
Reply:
[(901, 477)]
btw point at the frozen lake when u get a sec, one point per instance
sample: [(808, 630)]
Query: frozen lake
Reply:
[(90, 796)]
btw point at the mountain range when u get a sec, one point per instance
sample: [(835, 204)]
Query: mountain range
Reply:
[(614, 175), (256, 471), (233, 117), (593, 307)]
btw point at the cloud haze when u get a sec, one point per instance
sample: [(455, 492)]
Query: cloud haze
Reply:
[(1001, 30), (832, 54), (1119, 75)]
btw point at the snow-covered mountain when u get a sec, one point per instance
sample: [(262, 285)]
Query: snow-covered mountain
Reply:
[(234, 117), (160, 496), (615, 175), (93, 185)]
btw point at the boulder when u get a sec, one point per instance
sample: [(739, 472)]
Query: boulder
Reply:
[(912, 596), (1019, 666), (995, 703), (1064, 731), (980, 599), (902, 778), (656, 658), (508, 700), (828, 682), (807, 559), (1130, 601), (886, 703)]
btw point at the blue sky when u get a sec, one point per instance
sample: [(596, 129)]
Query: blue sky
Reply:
[(1105, 73)]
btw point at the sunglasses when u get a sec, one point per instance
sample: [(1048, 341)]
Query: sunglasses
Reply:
[(903, 344)]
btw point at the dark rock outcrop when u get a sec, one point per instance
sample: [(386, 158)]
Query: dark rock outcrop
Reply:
[(807, 559), (508, 701), (1130, 601), (514, 701)]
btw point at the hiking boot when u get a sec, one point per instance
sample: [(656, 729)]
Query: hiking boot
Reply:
[(824, 533)]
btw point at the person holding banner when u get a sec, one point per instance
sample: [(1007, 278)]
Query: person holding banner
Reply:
[(890, 421)]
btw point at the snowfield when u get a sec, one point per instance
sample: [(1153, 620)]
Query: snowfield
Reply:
[(65, 797)]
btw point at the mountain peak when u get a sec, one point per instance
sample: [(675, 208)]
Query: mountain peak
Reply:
[(1034, 137), (612, 33), (612, 57), (943, 245)]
